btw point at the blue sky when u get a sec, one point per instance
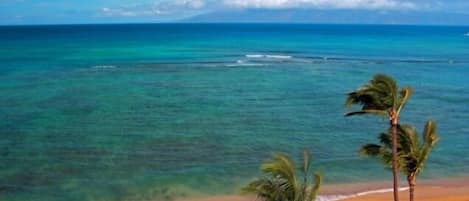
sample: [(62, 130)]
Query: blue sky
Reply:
[(129, 11)]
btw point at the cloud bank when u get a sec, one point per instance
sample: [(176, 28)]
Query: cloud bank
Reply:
[(321, 4), (187, 7), (165, 7)]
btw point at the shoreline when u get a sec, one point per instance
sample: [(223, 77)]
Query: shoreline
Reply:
[(454, 189)]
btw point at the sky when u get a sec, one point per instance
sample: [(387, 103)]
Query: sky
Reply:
[(147, 11)]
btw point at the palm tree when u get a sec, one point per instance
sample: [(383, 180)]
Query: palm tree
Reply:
[(381, 96), (281, 182), (412, 152)]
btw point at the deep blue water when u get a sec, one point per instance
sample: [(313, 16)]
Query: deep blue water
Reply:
[(161, 111)]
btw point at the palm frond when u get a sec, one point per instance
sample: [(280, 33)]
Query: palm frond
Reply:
[(377, 97), (367, 111), (408, 141), (306, 163), (371, 150), (280, 181), (386, 139), (412, 153), (281, 166), (429, 133), (311, 195), (267, 189), (406, 92), (430, 139), (389, 87), (382, 153)]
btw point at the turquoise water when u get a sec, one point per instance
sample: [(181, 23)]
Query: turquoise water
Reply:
[(159, 112)]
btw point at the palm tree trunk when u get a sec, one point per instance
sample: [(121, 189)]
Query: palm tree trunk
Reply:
[(395, 168), (412, 182)]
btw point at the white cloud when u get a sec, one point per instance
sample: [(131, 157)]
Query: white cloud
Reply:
[(322, 4), (156, 8), (117, 12), (184, 7), (191, 4)]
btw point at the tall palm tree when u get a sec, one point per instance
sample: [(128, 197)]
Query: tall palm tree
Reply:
[(381, 96), (281, 182), (411, 151)]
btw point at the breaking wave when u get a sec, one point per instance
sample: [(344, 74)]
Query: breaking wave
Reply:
[(268, 56), (342, 197), (103, 67)]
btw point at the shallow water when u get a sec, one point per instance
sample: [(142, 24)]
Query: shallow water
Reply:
[(157, 112)]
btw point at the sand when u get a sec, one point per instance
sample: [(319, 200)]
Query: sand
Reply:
[(425, 193), (430, 190), (434, 190)]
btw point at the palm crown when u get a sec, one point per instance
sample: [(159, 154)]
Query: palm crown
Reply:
[(380, 96), (412, 151), (281, 182)]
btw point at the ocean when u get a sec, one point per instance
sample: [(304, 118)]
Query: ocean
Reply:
[(136, 112)]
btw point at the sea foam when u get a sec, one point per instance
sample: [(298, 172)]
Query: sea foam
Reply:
[(103, 67), (255, 55), (268, 56), (278, 56), (237, 64), (342, 197)]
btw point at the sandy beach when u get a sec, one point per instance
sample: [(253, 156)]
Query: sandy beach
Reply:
[(428, 190), (426, 193)]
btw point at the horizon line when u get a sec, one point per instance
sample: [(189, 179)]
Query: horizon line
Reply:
[(241, 22)]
